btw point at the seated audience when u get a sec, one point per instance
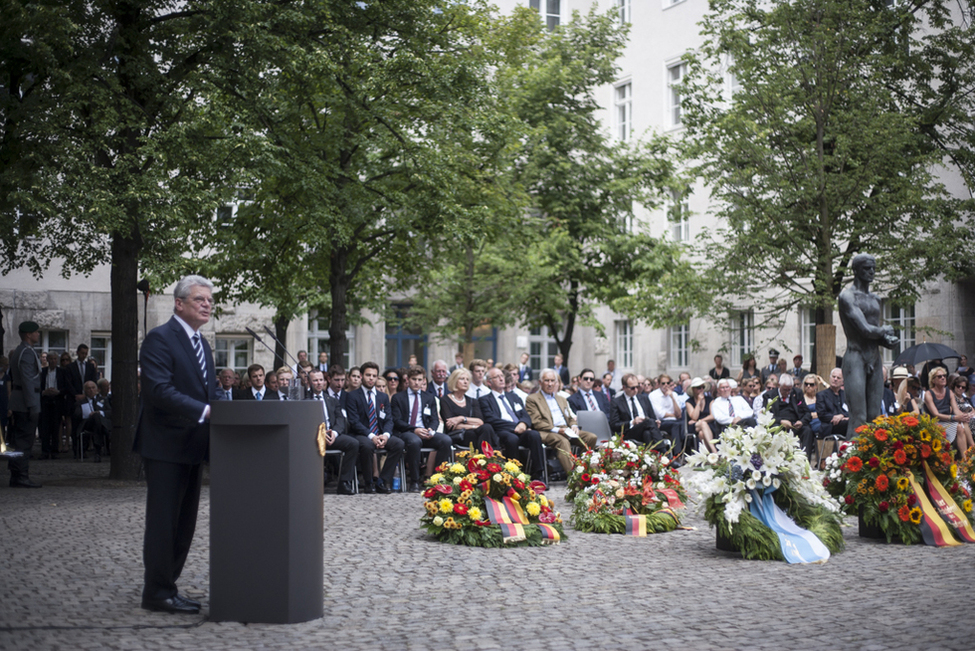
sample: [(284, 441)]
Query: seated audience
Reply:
[(554, 421), (461, 414), (631, 414), (415, 420)]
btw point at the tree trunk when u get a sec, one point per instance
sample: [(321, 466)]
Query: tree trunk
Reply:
[(339, 291), (125, 355), (281, 332)]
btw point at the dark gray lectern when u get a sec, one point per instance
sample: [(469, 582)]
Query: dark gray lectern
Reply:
[(266, 524)]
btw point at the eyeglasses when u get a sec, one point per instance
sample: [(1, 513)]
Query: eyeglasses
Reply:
[(392, 378), (588, 379), (808, 384), (631, 387), (961, 386)]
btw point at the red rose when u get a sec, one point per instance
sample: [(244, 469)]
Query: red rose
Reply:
[(911, 499), (883, 506), (954, 488), (874, 462), (444, 488), (849, 499), (897, 445), (460, 509)]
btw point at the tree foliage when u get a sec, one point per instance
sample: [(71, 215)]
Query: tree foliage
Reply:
[(843, 118)]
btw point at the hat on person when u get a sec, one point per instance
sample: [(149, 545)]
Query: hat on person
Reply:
[(773, 353), (698, 382), (900, 373), (27, 327), (796, 357)]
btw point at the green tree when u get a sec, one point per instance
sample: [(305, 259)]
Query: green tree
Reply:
[(843, 118), (108, 152), (584, 185)]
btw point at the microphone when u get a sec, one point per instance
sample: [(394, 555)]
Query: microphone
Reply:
[(278, 341), (259, 340)]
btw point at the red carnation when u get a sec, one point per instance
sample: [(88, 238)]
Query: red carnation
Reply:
[(446, 489), (954, 488), (465, 485), (897, 445), (883, 506), (849, 499), (460, 509), (430, 492), (911, 499), (874, 462), (493, 468)]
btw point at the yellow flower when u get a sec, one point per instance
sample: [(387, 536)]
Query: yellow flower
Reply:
[(457, 468), (916, 515), (474, 513), (967, 505), (531, 493), (953, 470), (936, 445), (450, 524), (438, 521), (533, 508), (925, 435), (431, 507), (543, 500), (466, 495), (903, 483), (446, 506), (436, 479), (511, 467), (506, 478), (471, 478)]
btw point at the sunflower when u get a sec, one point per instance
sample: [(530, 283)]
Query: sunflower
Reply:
[(967, 506), (936, 445), (903, 483), (916, 515)]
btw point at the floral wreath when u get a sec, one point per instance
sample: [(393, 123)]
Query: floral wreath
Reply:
[(611, 484), (761, 458), (485, 500), (880, 473)]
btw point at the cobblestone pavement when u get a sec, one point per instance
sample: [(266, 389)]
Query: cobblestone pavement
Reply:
[(70, 577)]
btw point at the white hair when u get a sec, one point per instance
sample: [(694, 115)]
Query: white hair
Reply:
[(186, 283)]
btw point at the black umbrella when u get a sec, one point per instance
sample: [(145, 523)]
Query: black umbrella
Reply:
[(923, 352)]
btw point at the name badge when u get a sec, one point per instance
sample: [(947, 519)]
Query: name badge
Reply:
[(426, 410), (845, 408), (345, 415), (382, 413), (519, 408)]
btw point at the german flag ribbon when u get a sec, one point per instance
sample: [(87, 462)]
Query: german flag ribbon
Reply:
[(672, 499), (636, 525), (496, 511), (947, 507), (550, 535), (512, 533), (934, 530), (515, 512)]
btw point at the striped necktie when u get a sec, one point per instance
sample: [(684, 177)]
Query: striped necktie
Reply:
[(371, 412), (198, 349), (592, 403)]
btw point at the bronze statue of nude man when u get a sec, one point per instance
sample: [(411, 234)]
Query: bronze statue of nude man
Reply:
[(860, 315)]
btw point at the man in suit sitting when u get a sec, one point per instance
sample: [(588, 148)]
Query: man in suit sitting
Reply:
[(337, 436), (505, 413), (80, 371), (730, 410), (336, 384), (831, 407), (632, 414), (93, 417), (227, 379), (789, 410), (173, 434), (371, 420), (439, 385), (586, 398), (551, 417), (415, 420), (257, 390)]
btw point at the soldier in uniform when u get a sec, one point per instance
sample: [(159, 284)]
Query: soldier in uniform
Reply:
[(25, 403)]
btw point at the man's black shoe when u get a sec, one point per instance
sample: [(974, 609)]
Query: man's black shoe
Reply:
[(175, 604), (185, 599), (23, 482), (383, 488), (345, 488)]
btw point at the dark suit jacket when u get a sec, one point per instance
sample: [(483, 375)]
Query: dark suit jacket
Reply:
[(889, 401), (358, 412), (619, 413), (828, 404), (792, 409), (248, 394), (174, 396), (564, 375), (491, 412), (342, 399), (432, 389), (426, 414), (336, 420), (76, 383), (578, 402), (526, 375)]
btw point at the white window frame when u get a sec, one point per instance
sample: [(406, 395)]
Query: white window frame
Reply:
[(542, 349), (904, 320), (229, 345), (680, 337), (624, 344), (742, 327), (318, 336), (102, 353), (623, 100), (680, 228), (625, 11), (45, 343), (807, 334), (672, 94), (552, 18)]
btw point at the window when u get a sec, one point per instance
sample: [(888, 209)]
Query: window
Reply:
[(401, 341), (624, 344), (679, 344), (485, 342), (232, 352), (680, 228), (101, 351), (903, 320), (675, 74), (318, 339), (553, 11), (542, 349), (742, 336), (624, 111), (54, 341), (623, 7), (807, 335)]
